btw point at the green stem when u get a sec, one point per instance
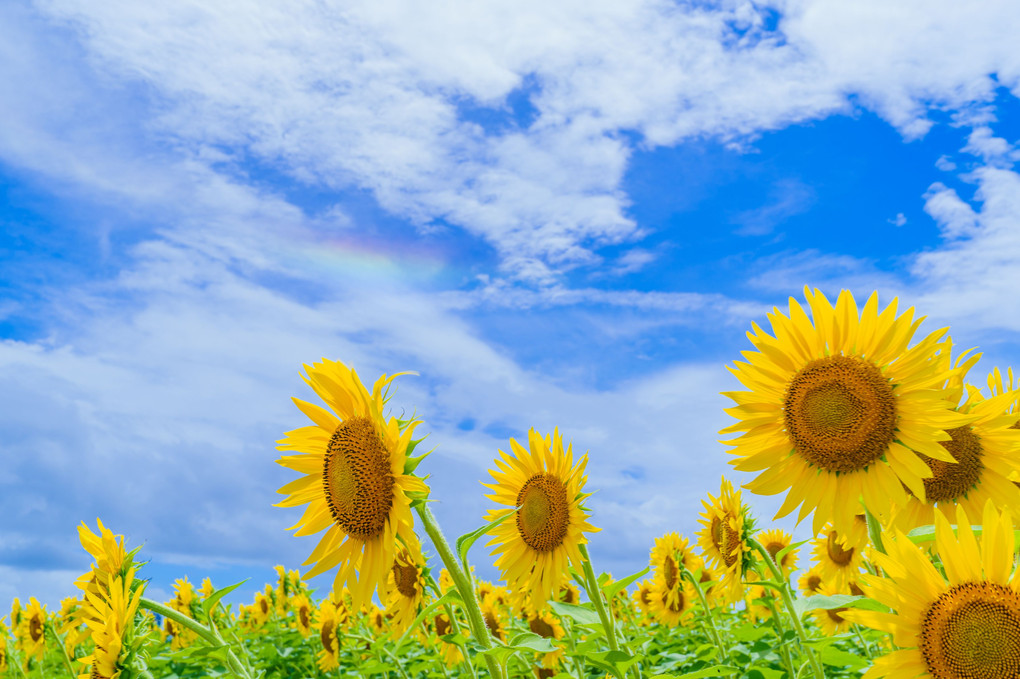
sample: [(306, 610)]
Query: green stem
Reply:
[(63, 651), (784, 650), (724, 654), (454, 626), (462, 580), (591, 585), (201, 630), (798, 627), (864, 642)]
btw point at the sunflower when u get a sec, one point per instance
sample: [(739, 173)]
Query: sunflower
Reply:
[(965, 623), (997, 385), (110, 558), (831, 620), (544, 490), (111, 616), (407, 590), (183, 601), (327, 623), (668, 554), (775, 541), (357, 479), (70, 624), (811, 582), (30, 635), (723, 538), (451, 652), (670, 605), (4, 633), (495, 617), (261, 608), (547, 625), (838, 405), (302, 608), (986, 453), (839, 557), (643, 596)]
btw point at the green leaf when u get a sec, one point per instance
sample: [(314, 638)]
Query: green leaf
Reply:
[(450, 597), (787, 549), (615, 587), (820, 602), (465, 541), (836, 658), (209, 604), (614, 662), (579, 614), (713, 671), (531, 642)]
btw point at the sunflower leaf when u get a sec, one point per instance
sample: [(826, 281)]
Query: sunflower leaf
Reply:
[(713, 671), (531, 642), (465, 541), (612, 588), (821, 602), (579, 614), (209, 604), (450, 597), (615, 662), (787, 549)]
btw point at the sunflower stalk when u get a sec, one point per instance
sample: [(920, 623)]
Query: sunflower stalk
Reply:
[(783, 648), (591, 586), (52, 631), (463, 583), (788, 601), (211, 636), (724, 653), (454, 624)]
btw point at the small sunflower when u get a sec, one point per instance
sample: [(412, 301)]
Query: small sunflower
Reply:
[(643, 596), (110, 616), (261, 609), (831, 620), (986, 454), (838, 405), (183, 601), (302, 608), (811, 582), (668, 554), (544, 490), (547, 625), (723, 538), (451, 652), (30, 634), (327, 624), (4, 633), (965, 623), (670, 606), (407, 590), (775, 541), (357, 479), (839, 557), (495, 618)]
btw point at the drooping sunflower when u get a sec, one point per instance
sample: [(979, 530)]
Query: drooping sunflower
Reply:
[(110, 558), (965, 623), (110, 615), (776, 540), (723, 538), (357, 482), (986, 454), (546, 521), (838, 408), (839, 558)]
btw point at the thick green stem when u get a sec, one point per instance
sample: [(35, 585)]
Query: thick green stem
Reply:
[(454, 627), (591, 585), (462, 580), (798, 627), (211, 636)]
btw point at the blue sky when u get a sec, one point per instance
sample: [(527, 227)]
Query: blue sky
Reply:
[(558, 214)]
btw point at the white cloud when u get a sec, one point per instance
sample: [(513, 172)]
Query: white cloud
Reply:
[(899, 220), (945, 164), (787, 198), (955, 218)]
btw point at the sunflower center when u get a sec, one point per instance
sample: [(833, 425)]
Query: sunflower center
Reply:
[(840, 413), (406, 577), (726, 540), (972, 631), (646, 595), (442, 626), (542, 515), (670, 571), (813, 583), (357, 479), (326, 635), (949, 480), (677, 603), (837, 553), (493, 624), (264, 605), (541, 628), (834, 614), (35, 628), (303, 616)]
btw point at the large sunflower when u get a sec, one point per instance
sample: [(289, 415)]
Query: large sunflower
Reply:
[(543, 488), (839, 408), (987, 456), (965, 623), (356, 481)]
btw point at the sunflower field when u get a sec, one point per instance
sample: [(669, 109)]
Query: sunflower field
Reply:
[(907, 472)]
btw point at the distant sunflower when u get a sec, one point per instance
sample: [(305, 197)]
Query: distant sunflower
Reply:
[(547, 625), (544, 490), (810, 582), (302, 608), (451, 652), (4, 634), (327, 624), (839, 408), (356, 480), (643, 596), (774, 541), (963, 624), (670, 605), (669, 553), (723, 538), (831, 620), (495, 617), (407, 590), (839, 558), (261, 608), (986, 454), (30, 634)]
